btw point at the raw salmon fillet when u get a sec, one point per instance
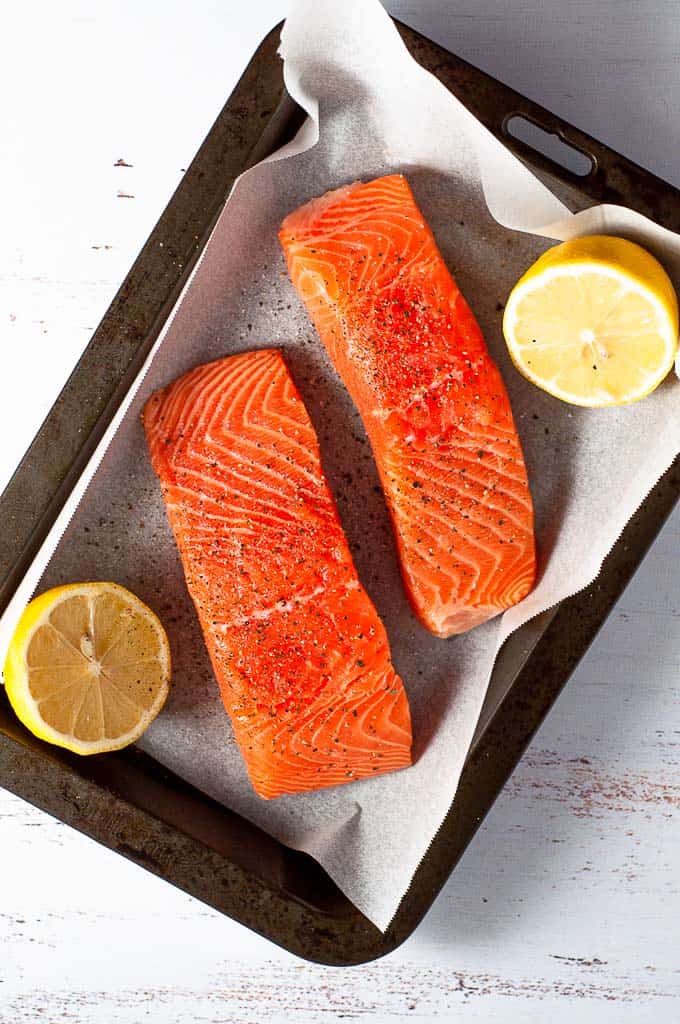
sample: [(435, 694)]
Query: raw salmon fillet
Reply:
[(412, 356), (299, 652)]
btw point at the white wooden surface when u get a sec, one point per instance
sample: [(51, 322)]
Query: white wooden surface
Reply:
[(568, 900)]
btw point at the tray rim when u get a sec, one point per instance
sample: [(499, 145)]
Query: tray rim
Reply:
[(16, 749)]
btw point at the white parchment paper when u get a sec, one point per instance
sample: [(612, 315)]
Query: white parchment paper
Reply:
[(372, 110)]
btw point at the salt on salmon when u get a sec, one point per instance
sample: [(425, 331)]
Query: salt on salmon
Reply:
[(300, 654), (433, 403)]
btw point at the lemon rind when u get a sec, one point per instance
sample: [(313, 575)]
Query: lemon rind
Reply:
[(16, 668), (575, 268)]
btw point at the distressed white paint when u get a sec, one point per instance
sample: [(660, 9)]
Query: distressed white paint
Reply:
[(567, 901)]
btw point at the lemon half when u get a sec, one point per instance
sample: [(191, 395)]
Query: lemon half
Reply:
[(594, 322), (88, 667)]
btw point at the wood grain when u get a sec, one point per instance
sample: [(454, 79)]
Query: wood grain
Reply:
[(567, 901)]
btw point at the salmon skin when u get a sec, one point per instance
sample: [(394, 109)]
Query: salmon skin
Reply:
[(299, 652), (433, 403)]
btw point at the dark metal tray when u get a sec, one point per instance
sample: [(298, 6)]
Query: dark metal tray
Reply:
[(126, 800)]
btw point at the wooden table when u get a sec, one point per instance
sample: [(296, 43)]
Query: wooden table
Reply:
[(568, 900)]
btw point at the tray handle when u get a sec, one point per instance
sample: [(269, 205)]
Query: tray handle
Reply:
[(552, 148)]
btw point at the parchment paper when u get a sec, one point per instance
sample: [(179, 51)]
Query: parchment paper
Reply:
[(373, 111)]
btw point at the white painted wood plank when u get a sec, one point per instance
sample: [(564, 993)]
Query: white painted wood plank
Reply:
[(567, 901), (610, 67), (141, 83)]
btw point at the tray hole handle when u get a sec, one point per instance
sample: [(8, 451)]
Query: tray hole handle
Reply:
[(550, 144)]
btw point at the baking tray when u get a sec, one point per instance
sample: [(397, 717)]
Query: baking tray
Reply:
[(129, 802)]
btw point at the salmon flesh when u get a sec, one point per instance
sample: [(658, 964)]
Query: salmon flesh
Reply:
[(300, 654), (433, 403)]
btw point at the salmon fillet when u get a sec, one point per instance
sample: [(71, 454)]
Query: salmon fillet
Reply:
[(412, 356), (299, 652)]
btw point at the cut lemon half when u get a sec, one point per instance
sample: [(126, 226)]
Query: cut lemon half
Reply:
[(594, 322), (88, 667)]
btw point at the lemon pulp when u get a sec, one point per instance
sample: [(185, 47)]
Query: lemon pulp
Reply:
[(594, 322), (88, 667)]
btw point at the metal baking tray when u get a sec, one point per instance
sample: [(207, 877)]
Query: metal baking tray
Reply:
[(129, 802)]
